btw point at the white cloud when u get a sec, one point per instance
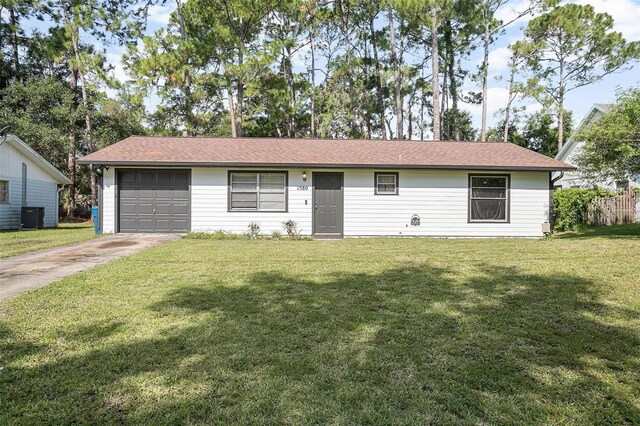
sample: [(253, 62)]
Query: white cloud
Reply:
[(625, 13), (499, 58), (115, 60), (497, 98), (160, 14)]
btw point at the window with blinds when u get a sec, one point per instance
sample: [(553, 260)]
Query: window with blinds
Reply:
[(257, 191)]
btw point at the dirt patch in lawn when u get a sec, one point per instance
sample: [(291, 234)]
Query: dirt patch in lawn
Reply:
[(112, 244)]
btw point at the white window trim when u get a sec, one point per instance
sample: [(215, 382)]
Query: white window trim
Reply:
[(257, 191), (507, 207), (8, 191)]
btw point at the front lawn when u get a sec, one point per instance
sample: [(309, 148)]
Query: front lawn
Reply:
[(13, 243), (370, 331)]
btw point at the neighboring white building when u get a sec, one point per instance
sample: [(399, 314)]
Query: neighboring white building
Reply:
[(570, 151), (26, 180), (331, 188)]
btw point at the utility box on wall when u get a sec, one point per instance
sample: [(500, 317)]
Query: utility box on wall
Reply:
[(32, 217)]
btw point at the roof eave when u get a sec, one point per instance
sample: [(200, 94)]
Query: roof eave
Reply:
[(170, 164), (30, 153)]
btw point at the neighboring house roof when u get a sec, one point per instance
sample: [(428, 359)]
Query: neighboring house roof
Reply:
[(595, 111), (28, 152), (278, 152)]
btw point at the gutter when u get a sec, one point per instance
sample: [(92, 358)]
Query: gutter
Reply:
[(167, 164)]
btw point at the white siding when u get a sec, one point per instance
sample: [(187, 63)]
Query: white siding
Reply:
[(41, 189), (439, 197), (108, 209), (209, 210)]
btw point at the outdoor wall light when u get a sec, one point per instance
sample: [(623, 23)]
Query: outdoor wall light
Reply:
[(304, 176)]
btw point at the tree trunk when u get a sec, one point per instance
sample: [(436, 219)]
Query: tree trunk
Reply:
[(412, 99), (379, 92), (435, 70), (232, 114), (240, 81), (73, 143), (186, 86), (14, 41), (485, 83), (188, 106), (240, 104), (454, 117), (397, 73), (561, 106), (288, 68), (85, 103), (422, 106), (507, 111), (313, 79)]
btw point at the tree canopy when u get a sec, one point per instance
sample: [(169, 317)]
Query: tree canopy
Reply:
[(385, 69), (612, 143)]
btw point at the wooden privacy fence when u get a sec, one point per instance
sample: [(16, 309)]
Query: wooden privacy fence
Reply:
[(616, 209)]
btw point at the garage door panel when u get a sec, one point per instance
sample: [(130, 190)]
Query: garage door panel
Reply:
[(163, 208), (154, 201), (128, 177), (145, 208), (180, 209), (128, 224), (163, 225), (128, 208), (164, 194), (181, 224), (146, 194), (181, 180), (145, 224), (164, 179), (147, 177)]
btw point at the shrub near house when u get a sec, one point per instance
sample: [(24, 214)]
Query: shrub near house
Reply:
[(571, 205)]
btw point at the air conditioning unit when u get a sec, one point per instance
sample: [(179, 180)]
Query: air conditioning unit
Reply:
[(32, 217)]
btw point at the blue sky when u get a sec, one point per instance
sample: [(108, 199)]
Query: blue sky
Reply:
[(626, 14)]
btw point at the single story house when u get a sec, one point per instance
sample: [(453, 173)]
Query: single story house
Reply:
[(330, 188), (26, 180), (573, 147)]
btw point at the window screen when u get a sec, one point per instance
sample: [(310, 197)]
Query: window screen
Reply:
[(257, 191), (386, 183), (4, 191), (488, 198)]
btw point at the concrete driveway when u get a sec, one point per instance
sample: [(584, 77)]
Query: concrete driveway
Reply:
[(32, 270)]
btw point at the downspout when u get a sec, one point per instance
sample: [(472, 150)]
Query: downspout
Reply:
[(557, 178)]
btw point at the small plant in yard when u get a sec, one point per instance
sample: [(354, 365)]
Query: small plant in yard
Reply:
[(276, 235), (254, 230), (291, 228)]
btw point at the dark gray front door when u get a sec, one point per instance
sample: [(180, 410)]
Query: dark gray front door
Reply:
[(328, 204), (154, 201)]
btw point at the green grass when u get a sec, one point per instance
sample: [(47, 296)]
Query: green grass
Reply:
[(371, 331), (13, 243), (613, 231)]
